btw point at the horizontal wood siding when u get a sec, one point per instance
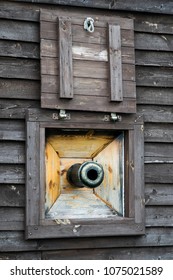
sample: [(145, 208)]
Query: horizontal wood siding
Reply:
[(20, 90)]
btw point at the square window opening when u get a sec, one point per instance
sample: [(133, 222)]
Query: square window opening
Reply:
[(84, 174)]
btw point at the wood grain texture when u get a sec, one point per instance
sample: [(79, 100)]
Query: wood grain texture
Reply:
[(52, 166), (12, 195), (13, 153), (115, 63), (32, 174), (19, 89), (65, 58), (147, 253)]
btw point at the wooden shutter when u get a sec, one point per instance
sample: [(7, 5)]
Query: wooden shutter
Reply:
[(87, 71)]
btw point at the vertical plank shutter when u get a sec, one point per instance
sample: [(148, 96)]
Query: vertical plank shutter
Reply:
[(115, 62), (65, 58)]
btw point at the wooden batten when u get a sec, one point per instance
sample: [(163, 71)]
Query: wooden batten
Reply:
[(65, 58), (115, 63)]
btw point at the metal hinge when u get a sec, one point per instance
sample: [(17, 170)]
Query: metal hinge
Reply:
[(63, 115), (112, 117)]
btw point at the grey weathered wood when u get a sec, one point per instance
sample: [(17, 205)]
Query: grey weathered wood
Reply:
[(156, 6), (156, 114), (115, 63), (65, 58), (12, 174), (158, 194), (21, 89), (147, 253), (156, 132), (21, 256), (12, 152), (154, 76), (12, 130), (12, 195), (11, 218), (19, 68), (20, 31), (153, 23), (87, 69), (137, 167), (14, 242), (15, 108), (158, 173), (79, 34), (85, 228), (157, 42), (153, 237), (152, 58), (154, 95), (161, 216), (156, 152), (19, 49), (92, 103), (32, 173), (86, 86), (18, 11)]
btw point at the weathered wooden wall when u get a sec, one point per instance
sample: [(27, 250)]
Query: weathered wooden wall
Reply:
[(20, 89)]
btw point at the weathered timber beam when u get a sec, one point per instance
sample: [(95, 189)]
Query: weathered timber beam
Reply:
[(151, 6)]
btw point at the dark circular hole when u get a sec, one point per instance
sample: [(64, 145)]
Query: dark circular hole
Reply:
[(92, 174)]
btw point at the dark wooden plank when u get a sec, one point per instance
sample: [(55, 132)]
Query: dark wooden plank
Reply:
[(161, 216), (19, 31), (153, 23), (12, 130), (154, 96), (152, 58), (92, 103), (19, 68), (158, 173), (159, 42), (32, 173), (19, 49), (12, 195), (154, 76), (46, 116), (158, 152), (13, 241), (159, 194), (11, 218), (12, 174), (21, 256), (147, 253), (21, 89), (85, 228), (162, 114), (156, 6), (115, 63), (153, 237), (157, 132), (18, 11), (15, 109), (12, 152)]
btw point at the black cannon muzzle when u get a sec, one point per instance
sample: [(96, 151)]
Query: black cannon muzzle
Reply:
[(88, 174)]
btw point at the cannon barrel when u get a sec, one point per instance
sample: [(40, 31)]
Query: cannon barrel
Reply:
[(88, 174)]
